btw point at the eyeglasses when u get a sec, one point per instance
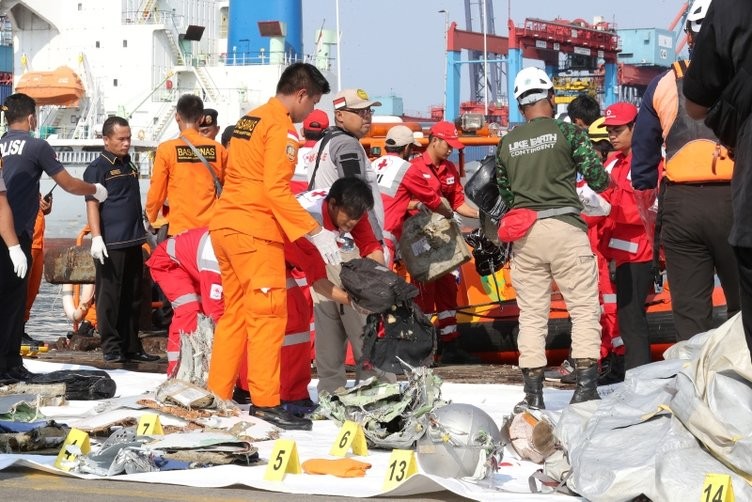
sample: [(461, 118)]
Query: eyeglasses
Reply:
[(361, 112)]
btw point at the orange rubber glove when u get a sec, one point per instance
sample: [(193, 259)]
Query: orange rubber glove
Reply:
[(341, 467)]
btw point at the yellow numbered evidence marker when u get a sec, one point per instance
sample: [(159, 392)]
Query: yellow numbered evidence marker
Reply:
[(284, 460), (402, 465), (717, 488), (75, 444), (350, 435), (149, 425)]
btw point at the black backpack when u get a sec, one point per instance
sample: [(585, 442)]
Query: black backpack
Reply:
[(405, 333), (373, 286)]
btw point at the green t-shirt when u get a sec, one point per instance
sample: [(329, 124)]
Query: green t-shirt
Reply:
[(537, 165)]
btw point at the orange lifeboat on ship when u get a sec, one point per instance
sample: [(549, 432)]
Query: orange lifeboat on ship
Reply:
[(61, 86)]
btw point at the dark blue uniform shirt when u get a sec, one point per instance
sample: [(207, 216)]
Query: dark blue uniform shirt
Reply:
[(24, 159), (121, 219)]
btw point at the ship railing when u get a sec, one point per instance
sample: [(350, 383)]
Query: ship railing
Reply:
[(76, 157), (155, 16), (262, 57)]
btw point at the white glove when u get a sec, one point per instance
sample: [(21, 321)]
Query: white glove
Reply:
[(326, 242), (98, 249), (101, 193), (20, 264), (593, 204), (457, 217)]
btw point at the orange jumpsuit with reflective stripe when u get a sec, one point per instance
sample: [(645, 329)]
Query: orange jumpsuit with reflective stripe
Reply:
[(37, 263), (256, 213), (180, 178)]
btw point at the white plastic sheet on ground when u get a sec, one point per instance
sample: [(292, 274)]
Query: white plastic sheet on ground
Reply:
[(510, 483), (654, 435)]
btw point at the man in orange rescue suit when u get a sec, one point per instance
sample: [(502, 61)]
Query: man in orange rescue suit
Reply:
[(695, 200), (181, 177), (256, 213), (434, 182), (625, 240), (37, 261), (187, 270)]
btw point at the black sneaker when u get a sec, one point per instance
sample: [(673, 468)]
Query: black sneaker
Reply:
[(241, 396), (19, 373), (556, 374), (611, 370), (28, 340), (277, 415), (141, 357), (300, 407), (114, 357)]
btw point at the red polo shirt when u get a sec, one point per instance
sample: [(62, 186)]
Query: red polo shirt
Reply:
[(426, 183)]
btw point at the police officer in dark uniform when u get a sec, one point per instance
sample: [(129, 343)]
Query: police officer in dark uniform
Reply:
[(25, 158)]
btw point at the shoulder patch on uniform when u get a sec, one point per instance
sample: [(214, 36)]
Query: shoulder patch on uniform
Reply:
[(291, 150), (245, 126)]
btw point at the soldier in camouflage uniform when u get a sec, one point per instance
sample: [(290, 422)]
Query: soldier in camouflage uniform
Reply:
[(537, 164)]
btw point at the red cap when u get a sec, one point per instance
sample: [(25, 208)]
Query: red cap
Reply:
[(620, 114), (446, 131), (317, 120)]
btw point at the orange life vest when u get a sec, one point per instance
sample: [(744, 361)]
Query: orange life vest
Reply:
[(693, 152)]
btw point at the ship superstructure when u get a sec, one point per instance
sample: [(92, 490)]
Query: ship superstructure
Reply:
[(84, 60)]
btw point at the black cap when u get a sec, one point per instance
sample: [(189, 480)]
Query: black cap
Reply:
[(209, 118)]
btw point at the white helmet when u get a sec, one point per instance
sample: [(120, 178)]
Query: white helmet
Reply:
[(531, 79), (461, 441), (697, 13)]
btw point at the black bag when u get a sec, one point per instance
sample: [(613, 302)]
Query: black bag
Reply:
[(483, 190), (83, 385), (489, 257), (407, 334), (733, 107), (373, 286)]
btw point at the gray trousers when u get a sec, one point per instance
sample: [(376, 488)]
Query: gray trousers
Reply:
[(335, 325)]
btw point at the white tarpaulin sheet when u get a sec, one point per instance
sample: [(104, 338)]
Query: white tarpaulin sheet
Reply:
[(509, 483), (670, 424)]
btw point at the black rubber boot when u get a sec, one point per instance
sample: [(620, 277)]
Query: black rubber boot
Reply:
[(611, 370), (533, 388), (586, 372)]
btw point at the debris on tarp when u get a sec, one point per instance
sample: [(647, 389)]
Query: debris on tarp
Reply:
[(44, 394), (82, 385), (392, 414), (19, 407), (45, 438), (195, 352), (125, 452), (185, 394)]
